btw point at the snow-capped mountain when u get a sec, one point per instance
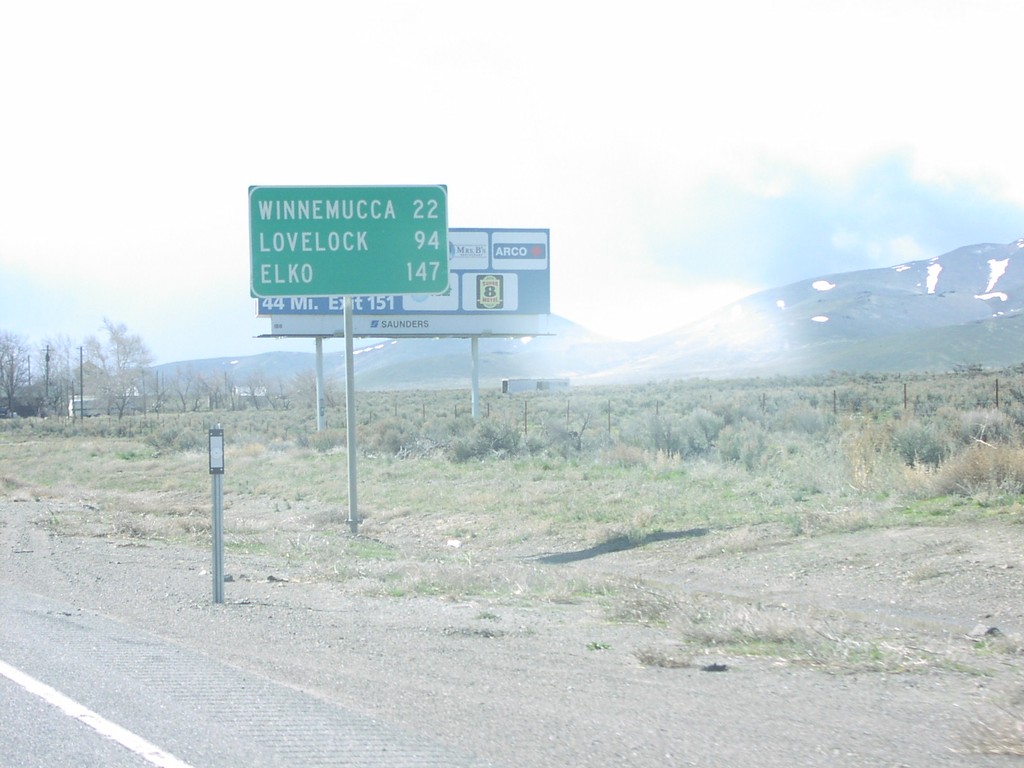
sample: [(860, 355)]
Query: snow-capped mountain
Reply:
[(961, 308)]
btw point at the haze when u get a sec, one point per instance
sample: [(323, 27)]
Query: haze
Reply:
[(682, 156)]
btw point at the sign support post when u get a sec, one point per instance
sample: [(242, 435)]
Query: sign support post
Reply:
[(316, 241), (321, 420), (475, 350)]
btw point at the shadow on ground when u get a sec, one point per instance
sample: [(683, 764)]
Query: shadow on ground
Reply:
[(619, 544)]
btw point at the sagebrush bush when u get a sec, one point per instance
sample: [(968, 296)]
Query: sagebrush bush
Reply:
[(441, 431), (557, 440), (623, 455), (802, 418), (487, 439), (175, 439), (663, 435), (698, 432), (327, 440), (987, 426), (921, 443), (745, 443), (983, 471), (388, 436), (692, 435)]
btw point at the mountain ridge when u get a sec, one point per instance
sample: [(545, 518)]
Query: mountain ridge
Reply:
[(961, 308)]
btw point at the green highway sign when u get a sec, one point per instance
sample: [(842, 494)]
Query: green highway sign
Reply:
[(319, 241)]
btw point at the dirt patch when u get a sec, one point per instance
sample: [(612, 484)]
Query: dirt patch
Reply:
[(752, 646)]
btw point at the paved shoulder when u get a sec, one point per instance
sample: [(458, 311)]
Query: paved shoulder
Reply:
[(193, 707)]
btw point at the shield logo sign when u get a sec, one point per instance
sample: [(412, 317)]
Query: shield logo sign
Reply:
[(489, 294)]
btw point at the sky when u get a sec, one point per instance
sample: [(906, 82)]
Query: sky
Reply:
[(682, 155)]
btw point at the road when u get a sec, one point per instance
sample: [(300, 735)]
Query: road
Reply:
[(81, 689)]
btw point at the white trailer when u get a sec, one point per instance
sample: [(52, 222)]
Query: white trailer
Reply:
[(511, 386)]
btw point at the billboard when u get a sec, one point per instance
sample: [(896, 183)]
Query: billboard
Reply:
[(498, 285)]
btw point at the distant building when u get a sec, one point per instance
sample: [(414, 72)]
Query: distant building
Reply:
[(511, 386), (77, 407)]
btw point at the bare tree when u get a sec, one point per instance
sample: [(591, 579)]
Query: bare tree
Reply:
[(14, 368), (280, 394), (303, 388), (213, 391), (255, 387), (120, 361), (188, 387), (158, 393), (229, 396)]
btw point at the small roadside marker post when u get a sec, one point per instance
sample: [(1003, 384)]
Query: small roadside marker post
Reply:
[(217, 493)]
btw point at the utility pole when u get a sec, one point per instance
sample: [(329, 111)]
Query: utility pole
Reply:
[(47, 385)]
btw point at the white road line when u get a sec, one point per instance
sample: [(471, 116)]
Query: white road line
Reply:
[(149, 752)]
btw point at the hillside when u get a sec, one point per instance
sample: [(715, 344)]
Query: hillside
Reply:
[(962, 308)]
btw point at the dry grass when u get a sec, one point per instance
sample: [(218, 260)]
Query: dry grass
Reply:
[(1001, 731), (665, 658), (984, 472), (639, 603), (832, 643), (433, 527)]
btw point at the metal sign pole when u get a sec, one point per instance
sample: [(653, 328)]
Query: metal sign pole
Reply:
[(475, 350), (350, 419), (321, 420), (217, 492)]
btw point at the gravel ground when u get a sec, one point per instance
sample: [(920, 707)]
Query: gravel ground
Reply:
[(707, 648)]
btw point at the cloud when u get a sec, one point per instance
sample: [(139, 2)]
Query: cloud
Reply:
[(791, 223)]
